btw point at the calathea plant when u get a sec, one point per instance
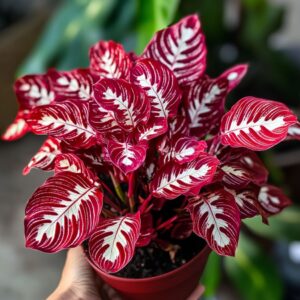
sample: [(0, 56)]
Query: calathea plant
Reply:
[(131, 133)]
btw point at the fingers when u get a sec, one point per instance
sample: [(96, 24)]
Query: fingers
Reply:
[(197, 293)]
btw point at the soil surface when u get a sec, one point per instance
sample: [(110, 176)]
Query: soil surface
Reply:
[(152, 260)]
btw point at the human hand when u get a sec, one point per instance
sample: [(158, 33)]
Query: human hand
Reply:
[(79, 282)]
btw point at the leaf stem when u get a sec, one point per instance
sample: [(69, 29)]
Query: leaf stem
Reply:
[(145, 203), (167, 223), (131, 191), (117, 187)]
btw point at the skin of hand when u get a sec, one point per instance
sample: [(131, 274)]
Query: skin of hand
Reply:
[(79, 282)]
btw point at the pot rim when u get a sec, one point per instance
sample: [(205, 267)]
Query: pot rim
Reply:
[(157, 277)]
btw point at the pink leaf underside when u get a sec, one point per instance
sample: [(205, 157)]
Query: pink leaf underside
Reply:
[(33, 90), (128, 104), (182, 149), (72, 85), (294, 132), (44, 158), (127, 157), (234, 75), (216, 218), (160, 85), (62, 213), (205, 104), (154, 128), (17, 129), (256, 124), (109, 60), (112, 245), (181, 48), (174, 180), (272, 199), (247, 201), (67, 121), (72, 163)]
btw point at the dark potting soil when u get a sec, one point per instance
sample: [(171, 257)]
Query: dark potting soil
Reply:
[(152, 260)]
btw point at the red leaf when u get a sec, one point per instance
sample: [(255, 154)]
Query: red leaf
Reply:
[(17, 129), (187, 148), (127, 157), (67, 121), (44, 159), (33, 90), (181, 149), (175, 180), (160, 85), (179, 125), (72, 85), (235, 175), (109, 60), (256, 124), (216, 218), (101, 119), (180, 47), (155, 127), (234, 75), (272, 199), (294, 132), (129, 105), (111, 246), (72, 163), (205, 104), (247, 201), (62, 213)]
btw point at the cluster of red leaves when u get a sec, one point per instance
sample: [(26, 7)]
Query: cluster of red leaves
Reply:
[(130, 134)]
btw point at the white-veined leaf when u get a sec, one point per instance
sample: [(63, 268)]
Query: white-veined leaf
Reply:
[(127, 157), (72, 85), (234, 75), (17, 129), (180, 47), (247, 201), (44, 158), (204, 101), (256, 124), (174, 180), (109, 60), (67, 121), (112, 245), (33, 90), (128, 103), (69, 162), (160, 84), (62, 213), (216, 218), (272, 199)]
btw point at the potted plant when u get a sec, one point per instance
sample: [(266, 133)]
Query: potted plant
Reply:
[(150, 171)]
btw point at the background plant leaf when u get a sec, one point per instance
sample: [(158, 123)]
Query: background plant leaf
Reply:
[(253, 273)]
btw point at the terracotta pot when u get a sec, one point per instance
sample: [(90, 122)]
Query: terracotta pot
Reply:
[(176, 285)]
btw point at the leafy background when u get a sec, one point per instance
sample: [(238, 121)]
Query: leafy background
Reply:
[(237, 31)]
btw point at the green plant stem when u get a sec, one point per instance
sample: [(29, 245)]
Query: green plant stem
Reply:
[(131, 191), (118, 188)]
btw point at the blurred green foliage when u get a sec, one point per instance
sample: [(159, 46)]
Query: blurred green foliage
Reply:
[(253, 273)]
